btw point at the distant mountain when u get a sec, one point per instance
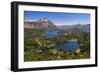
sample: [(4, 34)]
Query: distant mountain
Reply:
[(43, 24), (48, 25), (84, 27)]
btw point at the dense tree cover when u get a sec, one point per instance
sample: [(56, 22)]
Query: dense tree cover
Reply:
[(36, 48)]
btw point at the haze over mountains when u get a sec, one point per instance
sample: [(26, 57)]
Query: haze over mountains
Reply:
[(84, 27), (46, 24)]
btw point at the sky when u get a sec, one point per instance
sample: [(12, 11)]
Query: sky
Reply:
[(59, 18)]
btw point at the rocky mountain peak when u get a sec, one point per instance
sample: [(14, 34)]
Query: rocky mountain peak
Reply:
[(44, 24)]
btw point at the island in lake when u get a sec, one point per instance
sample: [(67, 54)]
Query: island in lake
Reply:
[(44, 40)]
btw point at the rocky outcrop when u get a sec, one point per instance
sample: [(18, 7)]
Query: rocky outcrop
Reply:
[(44, 24)]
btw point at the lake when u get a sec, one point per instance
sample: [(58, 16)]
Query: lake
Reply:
[(69, 45), (51, 34)]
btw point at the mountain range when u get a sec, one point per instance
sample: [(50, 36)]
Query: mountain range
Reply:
[(48, 25), (84, 27), (43, 24)]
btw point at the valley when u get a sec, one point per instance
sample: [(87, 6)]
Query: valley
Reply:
[(44, 41)]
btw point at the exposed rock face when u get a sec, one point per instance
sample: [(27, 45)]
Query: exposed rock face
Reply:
[(28, 24), (44, 24), (48, 25)]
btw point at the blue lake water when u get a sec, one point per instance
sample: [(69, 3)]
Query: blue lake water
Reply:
[(70, 45), (51, 34)]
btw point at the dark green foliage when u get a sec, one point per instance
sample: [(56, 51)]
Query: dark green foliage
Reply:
[(30, 33), (36, 48)]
